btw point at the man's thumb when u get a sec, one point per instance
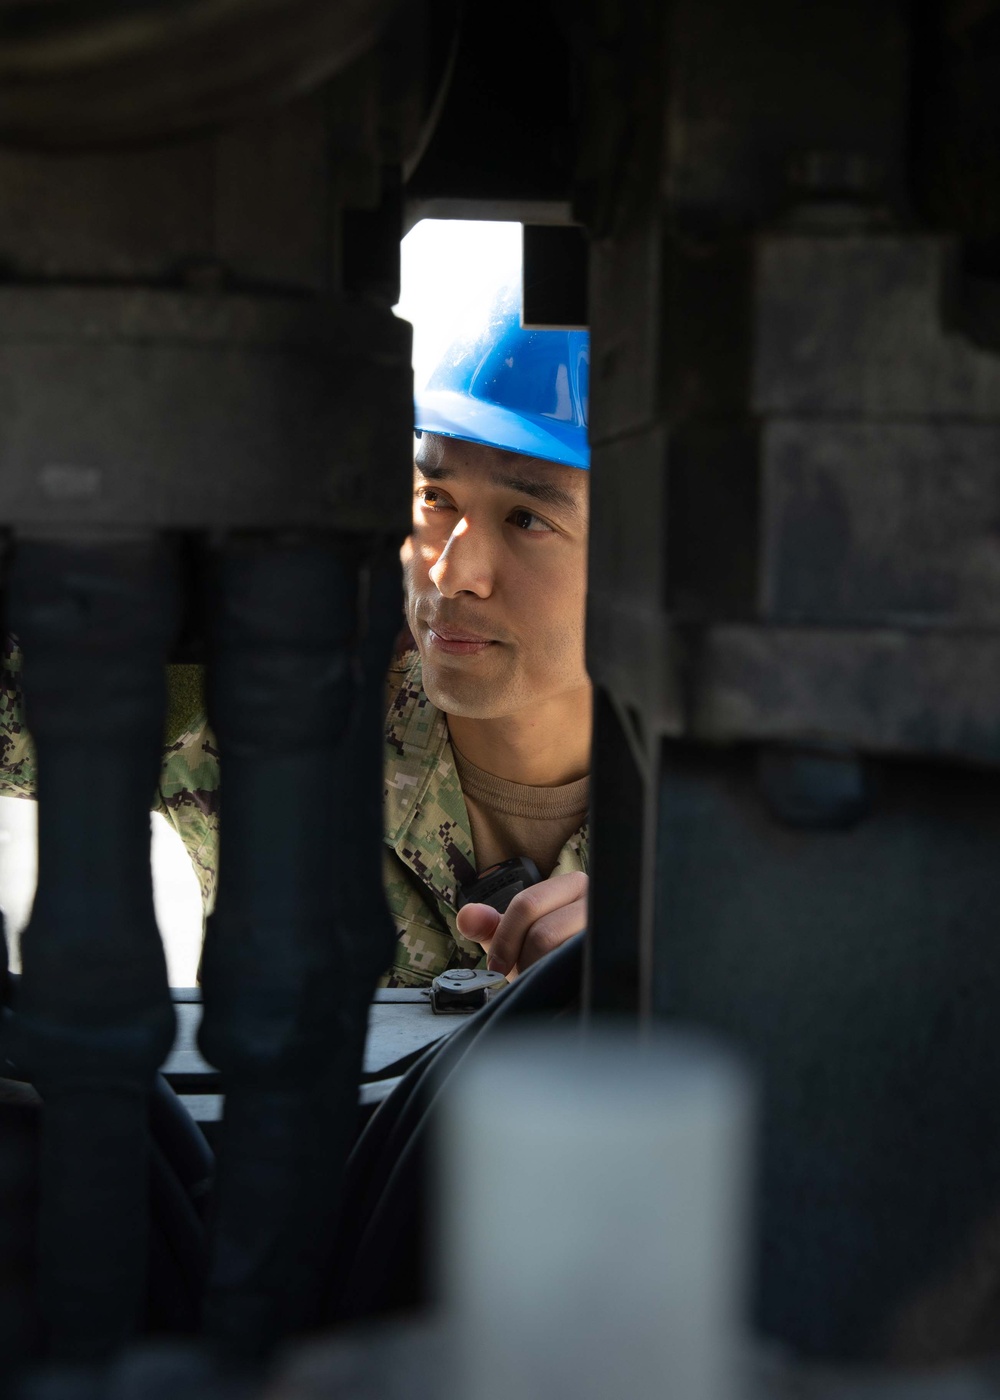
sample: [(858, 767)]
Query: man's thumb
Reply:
[(477, 922)]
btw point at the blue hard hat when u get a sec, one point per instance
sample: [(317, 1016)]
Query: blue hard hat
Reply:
[(519, 390)]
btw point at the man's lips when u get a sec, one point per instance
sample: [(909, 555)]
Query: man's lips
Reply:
[(455, 643)]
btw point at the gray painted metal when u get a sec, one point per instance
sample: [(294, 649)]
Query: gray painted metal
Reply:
[(156, 408), (395, 1030)]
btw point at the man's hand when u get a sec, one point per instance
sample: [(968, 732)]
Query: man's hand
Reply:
[(537, 920)]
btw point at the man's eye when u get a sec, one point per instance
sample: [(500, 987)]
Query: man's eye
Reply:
[(433, 500), (524, 520)]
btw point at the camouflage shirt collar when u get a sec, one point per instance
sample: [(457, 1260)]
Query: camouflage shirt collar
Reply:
[(425, 817)]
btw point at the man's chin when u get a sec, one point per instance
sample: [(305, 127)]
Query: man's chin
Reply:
[(463, 695)]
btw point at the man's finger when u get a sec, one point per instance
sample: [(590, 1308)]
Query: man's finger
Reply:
[(552, 931), (526, 909), (477, 922)]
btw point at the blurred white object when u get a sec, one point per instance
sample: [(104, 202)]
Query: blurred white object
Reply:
[(176, 894), (594, 1210)]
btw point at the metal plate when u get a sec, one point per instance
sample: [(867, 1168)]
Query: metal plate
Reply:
[(140, 408)]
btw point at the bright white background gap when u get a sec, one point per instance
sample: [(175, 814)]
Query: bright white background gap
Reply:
[(176, 893), (451, 270)]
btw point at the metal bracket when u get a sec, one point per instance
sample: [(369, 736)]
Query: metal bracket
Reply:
[(464, 989)]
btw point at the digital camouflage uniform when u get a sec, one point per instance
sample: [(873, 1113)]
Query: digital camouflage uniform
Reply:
[(428, 845), (427, 834)]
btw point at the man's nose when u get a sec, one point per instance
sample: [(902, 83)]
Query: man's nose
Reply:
[(465, 565)]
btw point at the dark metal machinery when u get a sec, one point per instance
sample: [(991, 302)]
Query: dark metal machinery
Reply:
[(793, 621), (206, 437), (794, 254)]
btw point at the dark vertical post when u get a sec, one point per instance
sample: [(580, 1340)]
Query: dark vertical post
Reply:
[(622, 874), (302, 633), (94, 1019)]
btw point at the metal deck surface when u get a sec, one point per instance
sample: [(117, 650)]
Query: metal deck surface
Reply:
[(400, 1025)]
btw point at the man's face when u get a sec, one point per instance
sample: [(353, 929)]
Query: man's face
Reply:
[(496, 577)]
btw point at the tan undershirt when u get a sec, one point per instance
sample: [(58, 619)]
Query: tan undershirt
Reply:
[(511, 819)]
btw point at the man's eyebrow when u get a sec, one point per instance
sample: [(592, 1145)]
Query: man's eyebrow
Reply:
[(433, 472), (538, 490), (542, 491)]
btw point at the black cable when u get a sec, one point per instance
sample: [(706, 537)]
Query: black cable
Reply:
[(182, 1143), (178, 1251), (379, 1261)]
